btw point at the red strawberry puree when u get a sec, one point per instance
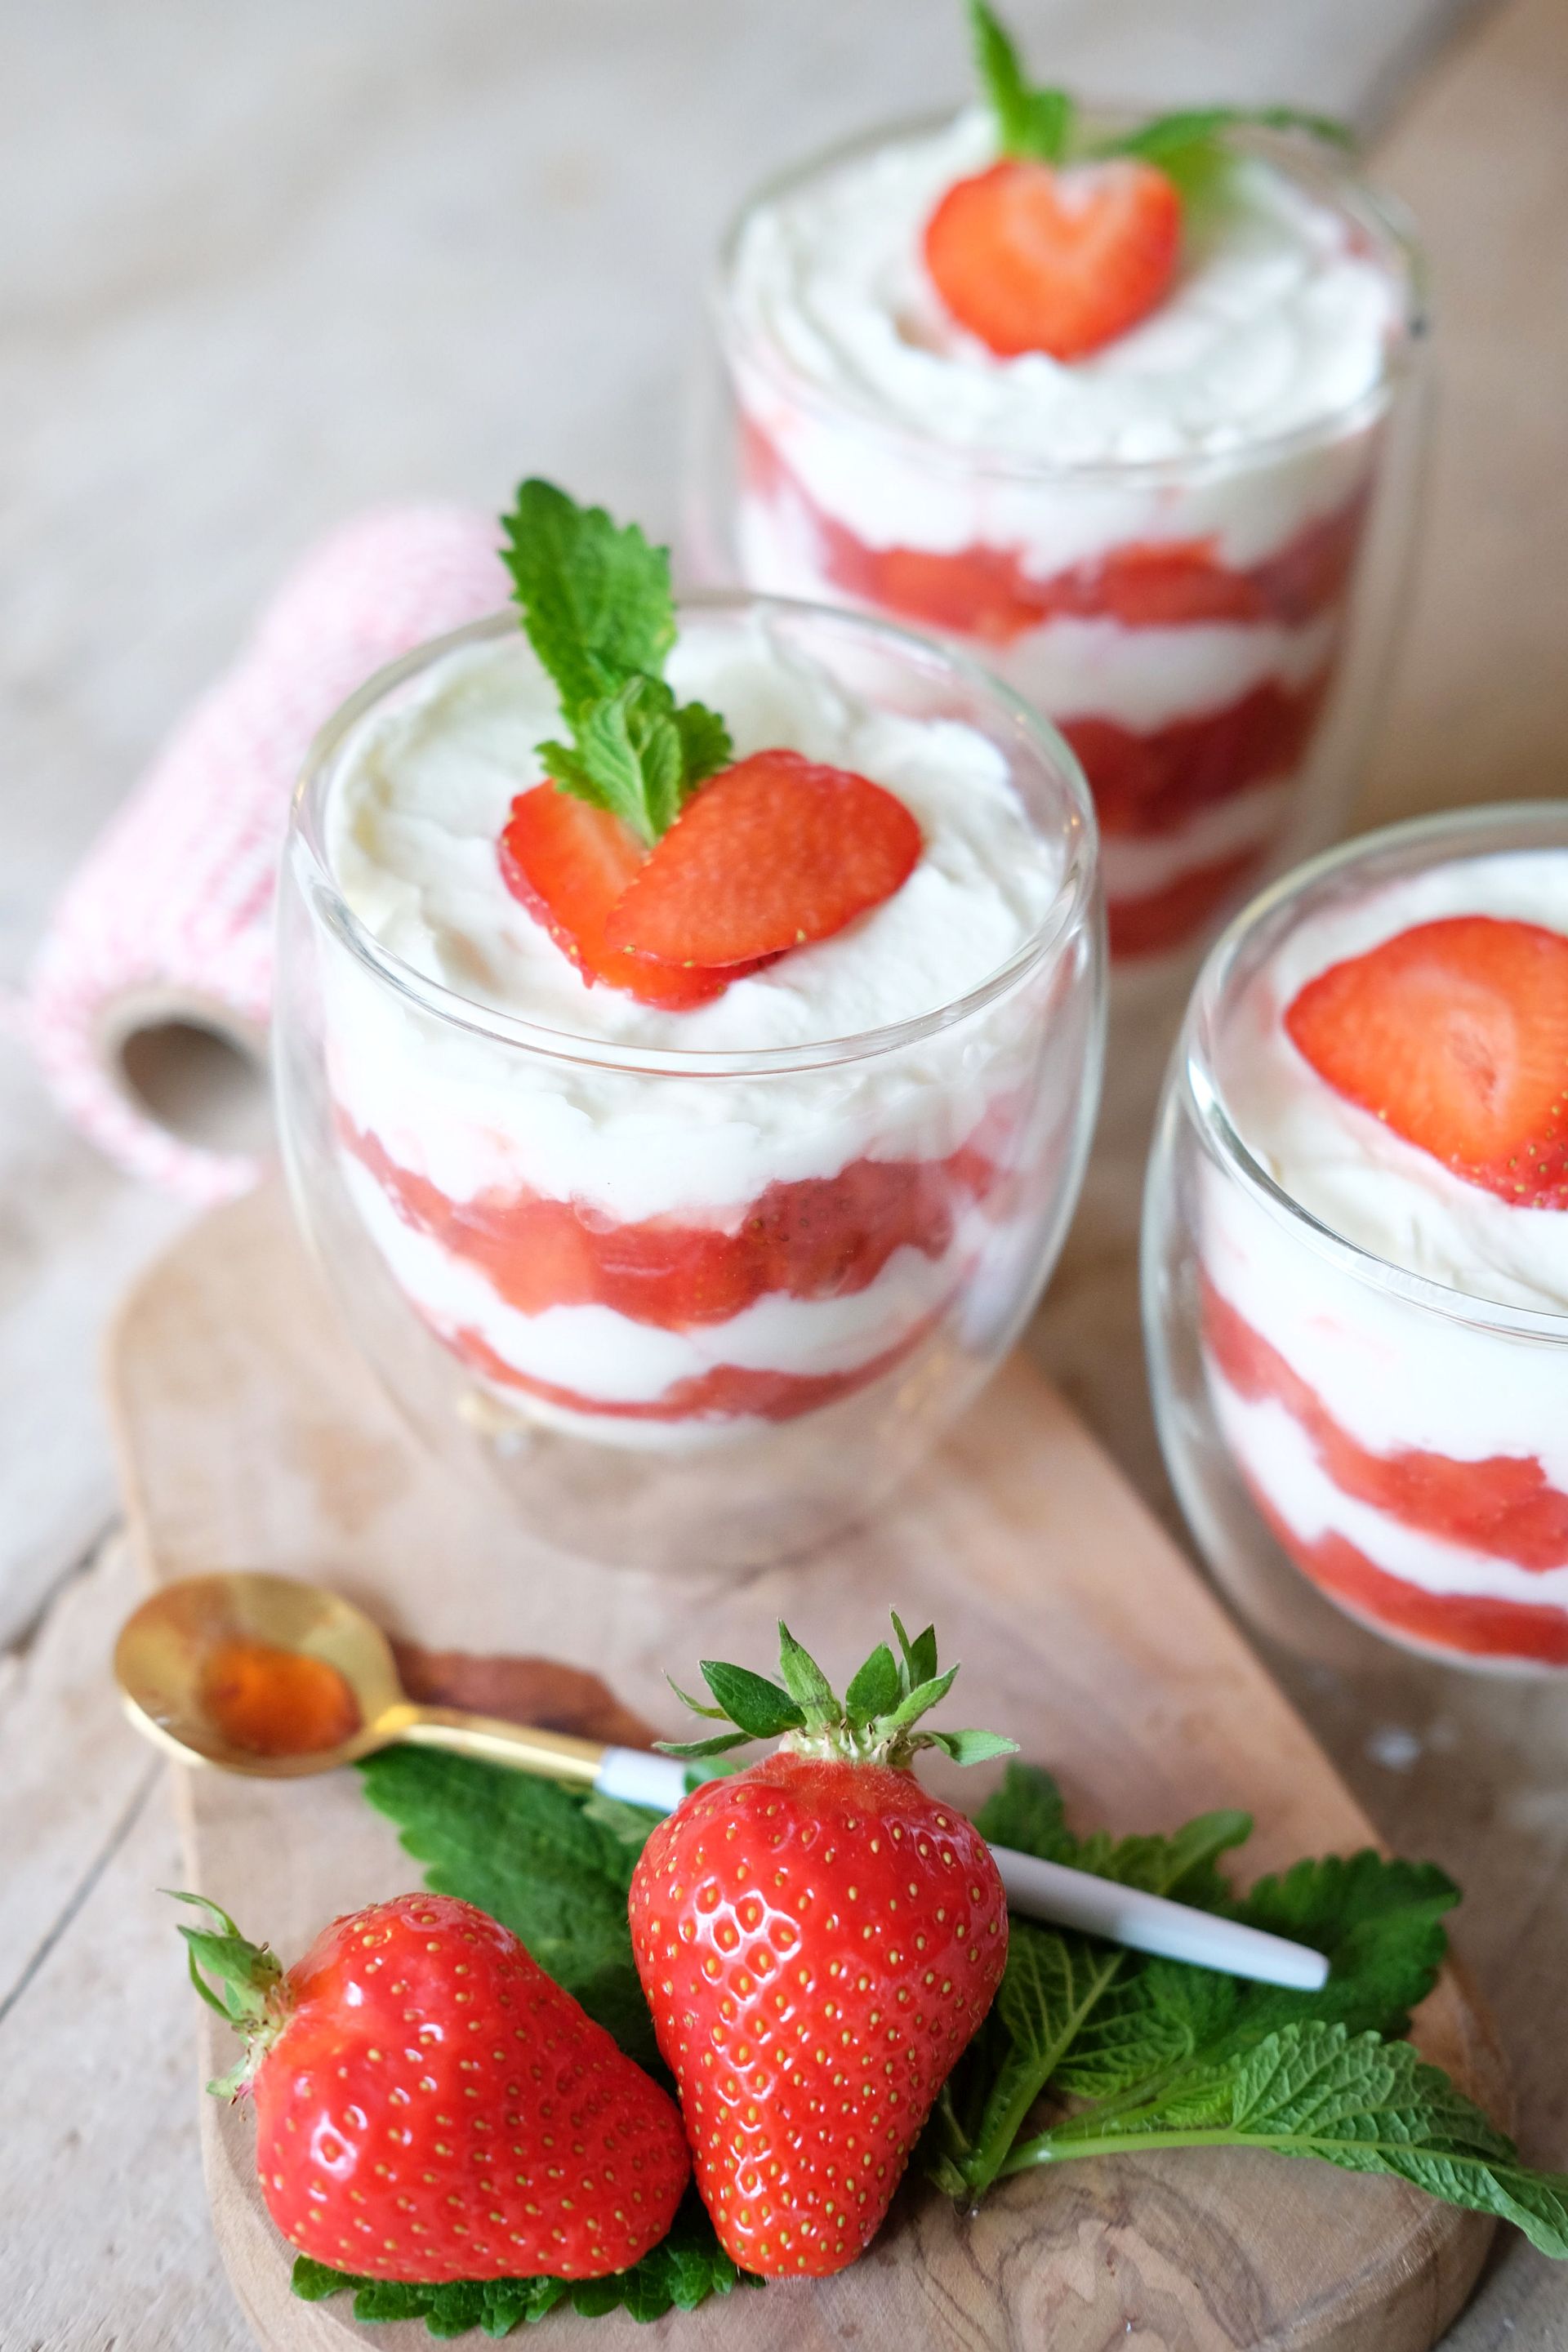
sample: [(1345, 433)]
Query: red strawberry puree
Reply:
[(616, 1239), (1149, 782), (1145, 537), (819, 1239), (1412, 1459)]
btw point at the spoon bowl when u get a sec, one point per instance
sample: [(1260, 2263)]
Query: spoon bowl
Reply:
[(274, 1677)]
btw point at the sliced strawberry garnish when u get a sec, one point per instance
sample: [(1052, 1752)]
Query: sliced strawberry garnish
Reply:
[(1031, 258), (772, 854), (569, 863), (1456, 1034)]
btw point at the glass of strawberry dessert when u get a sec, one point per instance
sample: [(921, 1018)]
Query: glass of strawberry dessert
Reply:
[(689, 1040), (1114, 405), (1356, 1244)]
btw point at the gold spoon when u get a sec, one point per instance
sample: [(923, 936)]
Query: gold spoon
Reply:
[(221, 1669), (269, 1676)]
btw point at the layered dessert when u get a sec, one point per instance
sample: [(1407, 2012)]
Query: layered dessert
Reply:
[(698, 1129), (1398, 1068), (1110, 407)]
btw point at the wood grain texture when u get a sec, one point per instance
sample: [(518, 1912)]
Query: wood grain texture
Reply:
[(252, 1436)]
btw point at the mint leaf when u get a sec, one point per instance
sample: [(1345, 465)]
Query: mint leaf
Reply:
[(1168, 134), (705, 744), (1358, 2102), (1192, 147), (597, 603), (1378, 1922), (551, 1863), (1026, 1812), (1030, 123), (598, 610), (312, 2282), (1184, 2057), (631, 749), (1189, 145), (1049, 1990), (1182, 1864), (1070, 2009), (683, 2270)]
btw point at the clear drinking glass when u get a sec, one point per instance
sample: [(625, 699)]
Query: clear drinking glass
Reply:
[(1209, 632), (1340, 1430), (692, 1308)]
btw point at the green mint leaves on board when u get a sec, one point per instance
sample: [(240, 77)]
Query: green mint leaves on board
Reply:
[(1355, 2101), (682, 2270), (598, 610), (1169, 2056), (1044, 125), (1090, 2049)]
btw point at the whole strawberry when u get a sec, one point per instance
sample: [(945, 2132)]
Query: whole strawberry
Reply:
[(431, 2106), (818, 1940)]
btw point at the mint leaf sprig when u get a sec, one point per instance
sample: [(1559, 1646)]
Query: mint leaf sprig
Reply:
[(683, 2270), (1043, 125), (599, 612), (1358, 2102)]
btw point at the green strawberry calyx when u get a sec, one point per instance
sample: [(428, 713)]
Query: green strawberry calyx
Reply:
[(250, 1992), (875, 1722)]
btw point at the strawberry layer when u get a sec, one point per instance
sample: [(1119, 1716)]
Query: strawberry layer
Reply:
[(723, 1392), (1467, 1624), (1183, 683), (775, 1359), (822, 1237), (987, 591), (1503, 1504), (1150, 782)]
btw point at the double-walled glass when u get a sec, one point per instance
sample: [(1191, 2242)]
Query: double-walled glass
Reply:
[(692, 1308), (1336, 1425), (1209, 631)]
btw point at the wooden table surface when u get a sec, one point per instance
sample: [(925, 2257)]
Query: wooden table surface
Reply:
[(270, 261)]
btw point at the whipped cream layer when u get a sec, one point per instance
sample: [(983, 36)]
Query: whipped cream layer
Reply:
[(423, 789), (1344, 1166), (419, 798), (1281, 321)]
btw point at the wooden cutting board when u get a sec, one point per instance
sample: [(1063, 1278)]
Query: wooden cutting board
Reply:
[(252, 1436)]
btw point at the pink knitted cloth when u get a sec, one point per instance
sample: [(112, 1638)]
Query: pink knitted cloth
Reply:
[(173, 907)]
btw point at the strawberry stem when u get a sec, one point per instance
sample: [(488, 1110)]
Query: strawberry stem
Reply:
[(250, 1994), (874, 1723)]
